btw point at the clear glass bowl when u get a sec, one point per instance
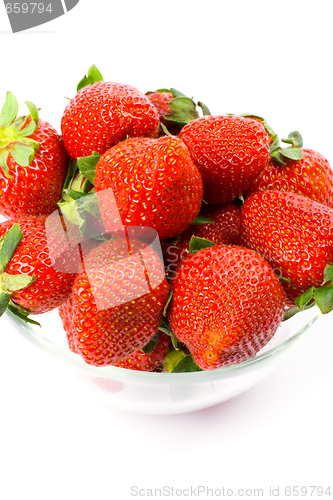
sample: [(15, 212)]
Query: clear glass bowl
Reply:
[(167, 393)]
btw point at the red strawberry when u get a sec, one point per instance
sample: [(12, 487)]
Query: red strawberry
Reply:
[(227, 304), (36, 252), (154, 182), (104, 113), (311, 176), (161, 101), (293, 233), (147, 362), (224, 231), (33, 163), (117, 302), (230, 152)]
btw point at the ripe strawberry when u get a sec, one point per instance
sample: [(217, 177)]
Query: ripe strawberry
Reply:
[(312, 176), (33, 163), (154, 182), (229, 151), (104, 113), (161, 100), (117, 302), (224, 231), (227, 304), (148, 361), (293, 233), (35, 254)]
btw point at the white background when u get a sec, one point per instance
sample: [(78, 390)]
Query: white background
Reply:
[(271, 58)]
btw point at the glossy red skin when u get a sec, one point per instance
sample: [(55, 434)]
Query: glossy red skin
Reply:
[(155, 184), (103, 114), (229, 151), (104, 333), (293, 233), (32, 257), (227, 304), (225, 231), (143, 362), (311, 177), (160, 101), (35, 190)]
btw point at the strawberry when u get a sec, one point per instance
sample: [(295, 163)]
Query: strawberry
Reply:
[(226, 305), (293, 233), (145, 359), (229, 151), (310, 176), (222, 230), (117, 302), (148, 361), (102, 114), (29, 278), (154, 182), (33, 163)]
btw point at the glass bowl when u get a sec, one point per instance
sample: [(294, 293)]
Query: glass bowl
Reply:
[(168, 393)]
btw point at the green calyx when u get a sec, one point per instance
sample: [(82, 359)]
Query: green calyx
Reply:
[(10, 283), (321, 296), (78, 195), (15, 134), (293, 152), (93, 76), (197, 244), (183, 109)]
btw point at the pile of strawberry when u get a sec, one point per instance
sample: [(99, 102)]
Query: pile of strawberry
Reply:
[(168, 240)]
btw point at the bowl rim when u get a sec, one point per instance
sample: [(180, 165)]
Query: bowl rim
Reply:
[(136, 375)]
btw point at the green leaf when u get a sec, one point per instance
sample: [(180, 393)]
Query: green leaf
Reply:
[(14, 282), (172, 241), (305, 298), (205, 110), (172, 359), (187, 364), (277, 157), (8, 244), (74, 195), (3, 162), (328, 274), (202, 220), (160, 90), (165, 130), (291, 311), (295, 139), (22, 154), (292, 153), (150, 347), (197, 244), (70, 210), (21, 313), (87, 166), (176, 93), (168, 301), (29, 129), (93, 76), (9, 111), (183, 111), (324, 298), (4, 301)]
